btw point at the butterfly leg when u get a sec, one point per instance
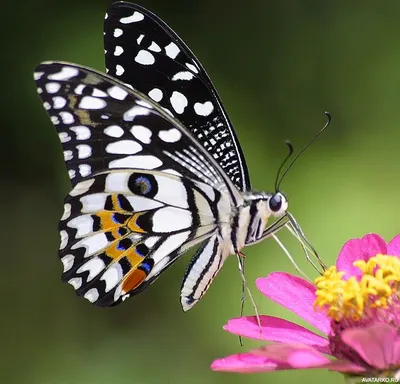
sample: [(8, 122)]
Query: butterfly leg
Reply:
[(296, 230), (245, 287)]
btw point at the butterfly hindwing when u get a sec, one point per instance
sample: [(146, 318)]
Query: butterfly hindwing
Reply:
[(142, 51), (201, 271), (119, 230)]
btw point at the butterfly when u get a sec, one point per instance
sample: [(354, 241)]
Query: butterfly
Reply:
[(155, 166)]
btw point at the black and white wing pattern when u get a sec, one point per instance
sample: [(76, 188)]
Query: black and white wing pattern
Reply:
[(142, 51), (144, 191)]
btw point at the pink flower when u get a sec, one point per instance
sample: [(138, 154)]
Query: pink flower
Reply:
[(355, 306)]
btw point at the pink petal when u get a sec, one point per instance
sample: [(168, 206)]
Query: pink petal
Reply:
[(277, 330), (344, 366), (295, 294), (393, 248), (359, 249), (294, 355), (375, 344), (245, 363)]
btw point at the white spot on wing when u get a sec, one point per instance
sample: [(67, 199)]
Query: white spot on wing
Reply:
[(184, 75), (68, 262), (64, 239), (169, 245), (156, 94), (171, 136), (83, 225), (204, 109), (124, 147), (85, 170), (92, 244), (112, 276), (98, 93), (92, 295), (171, 192), (66, 73), (90, 102), (94, 202), (172, 50), (141, 133), (68, 155), (79, 89), (82, 132), (192, 68), (82, 187), (119, 70), (76, 282), (59, 102), (64, 137), (67, 211), (154, 47), (117, 93), (137, 16), (139, 39), (117, 182), (114, 131), (130, 114), (67, 117), (37, 75), (84, 151), (144, 162), (94, 266), (178, 101), (118, 32), (118, 50), (171, 219), (145, 58), (55, 120), (52, 87)]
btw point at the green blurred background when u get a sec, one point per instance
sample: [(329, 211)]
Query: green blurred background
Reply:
[(278, 66)]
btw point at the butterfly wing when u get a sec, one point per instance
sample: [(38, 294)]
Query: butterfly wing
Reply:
[(201, 271), (144, 191), (121, 229), (142, 51)]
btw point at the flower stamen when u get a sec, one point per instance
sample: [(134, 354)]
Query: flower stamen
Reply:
[(351, 298)]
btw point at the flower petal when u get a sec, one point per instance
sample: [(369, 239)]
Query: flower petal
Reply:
[(359, 249), (295, 294), (294, 355), (277, 330), (376, 344), (393, 248), (344, 366), (245, 363)]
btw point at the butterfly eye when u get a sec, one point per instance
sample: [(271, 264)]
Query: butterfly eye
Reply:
[(275, 202)]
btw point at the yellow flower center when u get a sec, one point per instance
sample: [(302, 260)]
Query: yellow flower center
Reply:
[(350, 298)]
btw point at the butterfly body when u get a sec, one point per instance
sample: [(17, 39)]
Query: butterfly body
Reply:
[(154, 163)]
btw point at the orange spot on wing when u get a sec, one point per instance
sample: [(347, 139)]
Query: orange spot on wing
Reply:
[(132, 224), (134, 258), (107, 221), (133, 280), (113, 252), (115, 203)]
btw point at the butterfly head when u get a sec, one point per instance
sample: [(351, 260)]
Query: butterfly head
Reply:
[(277, 204)]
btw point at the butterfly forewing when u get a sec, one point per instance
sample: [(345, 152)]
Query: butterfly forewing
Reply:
[(144, 191), (104, 125), (142, 51)]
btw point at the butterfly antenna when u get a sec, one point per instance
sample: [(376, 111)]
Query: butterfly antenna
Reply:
[(290, 146), (278, 183)]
